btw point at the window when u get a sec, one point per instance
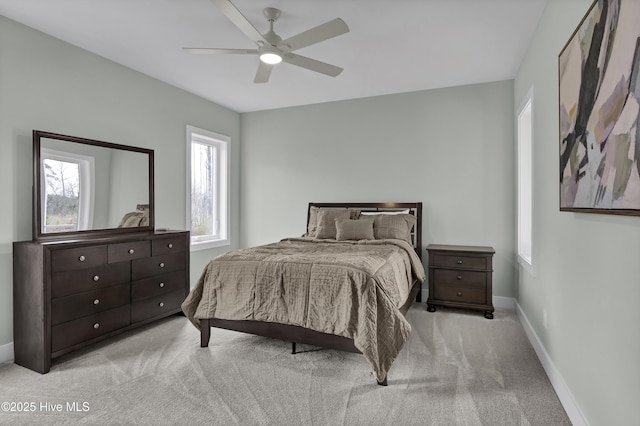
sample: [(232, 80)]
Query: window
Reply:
[(68, 194), (207, 188), (525, 182)]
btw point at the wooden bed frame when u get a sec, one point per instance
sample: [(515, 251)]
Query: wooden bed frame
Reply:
[(296, 334)]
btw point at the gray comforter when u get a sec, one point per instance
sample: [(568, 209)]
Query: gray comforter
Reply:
[(351, 289)]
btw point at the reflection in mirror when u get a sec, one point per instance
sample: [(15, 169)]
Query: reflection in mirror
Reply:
[(87, 185)]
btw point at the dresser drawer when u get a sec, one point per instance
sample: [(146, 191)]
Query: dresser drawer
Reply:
[(129, 251), (77, 331), (458, 277), (455, 261), (460, 293), (156, 265), (157, 285), (78, 258), (168, 245), (79, 305), (157, 305), (65, 283)]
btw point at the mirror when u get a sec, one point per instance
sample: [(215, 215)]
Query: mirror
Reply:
[(84, 187)]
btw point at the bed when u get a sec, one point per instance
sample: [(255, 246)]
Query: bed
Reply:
[(345, 284)]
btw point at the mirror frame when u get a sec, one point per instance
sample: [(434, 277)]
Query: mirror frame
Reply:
[(38, 235)]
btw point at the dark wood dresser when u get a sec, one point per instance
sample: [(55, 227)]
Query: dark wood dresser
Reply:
[(460, 276), (69, 294)]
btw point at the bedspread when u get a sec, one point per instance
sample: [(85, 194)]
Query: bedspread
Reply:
[(351, 289)]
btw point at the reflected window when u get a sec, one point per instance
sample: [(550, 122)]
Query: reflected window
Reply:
[(67, 191)]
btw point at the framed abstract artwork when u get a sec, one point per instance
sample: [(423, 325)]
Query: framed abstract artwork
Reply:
[(599, 100)]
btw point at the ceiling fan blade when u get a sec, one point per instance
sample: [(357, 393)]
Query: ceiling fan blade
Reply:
[(238, 19), (311, 64), (263, 73), (215, 51), (317, 34)]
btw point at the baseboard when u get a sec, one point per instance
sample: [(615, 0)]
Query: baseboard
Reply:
[(6, 352), (557, 381)]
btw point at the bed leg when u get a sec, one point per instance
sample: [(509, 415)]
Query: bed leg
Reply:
[(293, 348), (205, 333), (384, 382)]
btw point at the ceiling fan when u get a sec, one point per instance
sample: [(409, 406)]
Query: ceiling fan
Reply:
[(272, 49)]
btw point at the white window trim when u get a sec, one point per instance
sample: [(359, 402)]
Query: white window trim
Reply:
[(527, 263), (225, 187), (86, 169)]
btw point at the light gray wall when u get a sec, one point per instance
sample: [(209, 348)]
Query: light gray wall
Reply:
[(587, 269), (452, 149), (47, 84)]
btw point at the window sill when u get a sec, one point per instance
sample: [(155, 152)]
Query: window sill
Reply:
[(204, 245)]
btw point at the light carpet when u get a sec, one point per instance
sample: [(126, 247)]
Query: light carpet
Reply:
[(458, 368)]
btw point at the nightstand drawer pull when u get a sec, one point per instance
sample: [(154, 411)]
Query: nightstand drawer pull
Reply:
[(82, 258), (96, 277), (161, 264), (131, 251), (97, 301), (459, 293), (96, 325), (161, 304), (161, 285), (459, 262), (170, 245), (459, 277)]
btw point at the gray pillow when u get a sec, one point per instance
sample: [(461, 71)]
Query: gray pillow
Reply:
[(397, 226), (312, 226), (361, 229), (327, 222)]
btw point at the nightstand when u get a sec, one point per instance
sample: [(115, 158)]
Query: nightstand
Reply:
[(460, 276)]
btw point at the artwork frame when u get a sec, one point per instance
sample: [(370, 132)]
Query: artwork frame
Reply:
[(599, 111)]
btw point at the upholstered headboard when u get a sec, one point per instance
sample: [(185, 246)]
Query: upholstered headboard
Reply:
[(413, 208)]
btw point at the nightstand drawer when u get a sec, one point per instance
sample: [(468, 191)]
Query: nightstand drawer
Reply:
[(460, 294), (460, 278), (454, 261)]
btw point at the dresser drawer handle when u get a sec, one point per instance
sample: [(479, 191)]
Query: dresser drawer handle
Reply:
[(161, 285), (459, 277), (161, 264), (459, 261), (96, 325), (161, 304), (459, 293), (82, 258), (96, 277), (131, 251), (170, 245), (97, 301)]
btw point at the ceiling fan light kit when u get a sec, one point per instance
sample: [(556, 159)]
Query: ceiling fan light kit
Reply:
[(272, 49), (271, 57)]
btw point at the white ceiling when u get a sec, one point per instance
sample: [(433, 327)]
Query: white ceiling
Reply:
[(394, 46)]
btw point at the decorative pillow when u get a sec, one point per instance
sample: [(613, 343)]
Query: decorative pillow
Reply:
[(312, 226), (397, 226), (132, 220), (360, 229), (327, 222)]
